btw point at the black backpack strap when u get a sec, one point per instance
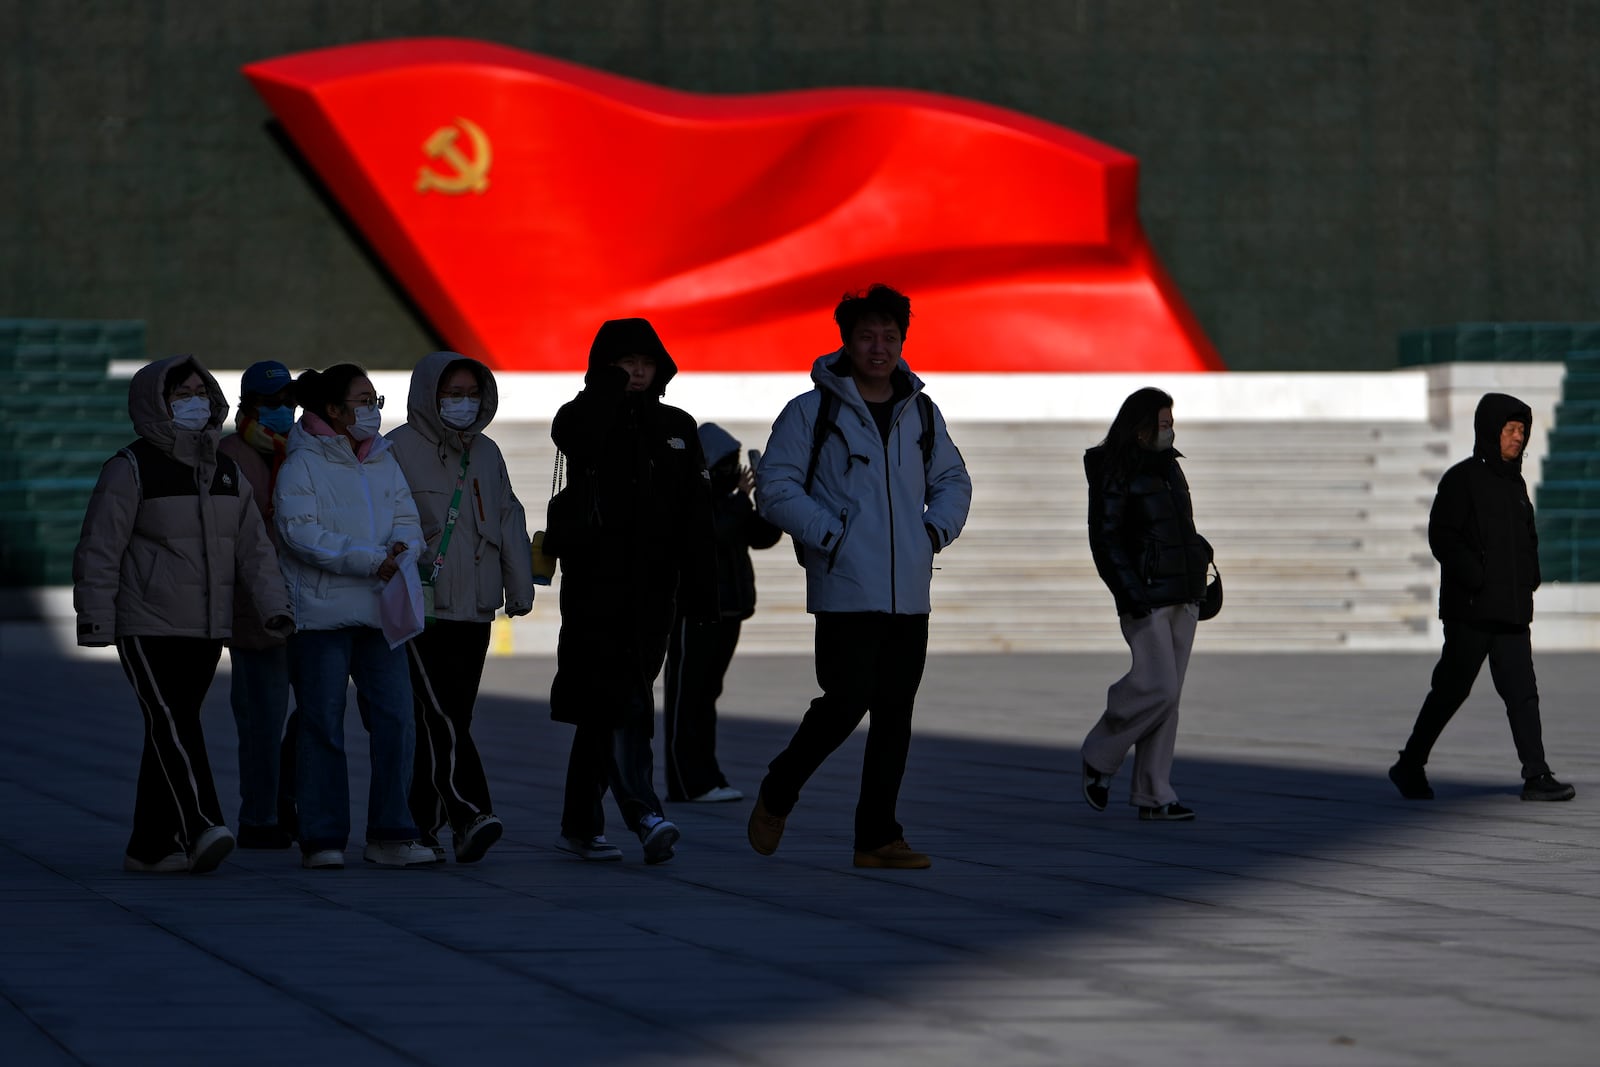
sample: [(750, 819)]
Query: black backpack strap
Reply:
[(926, 441), (827, 416)]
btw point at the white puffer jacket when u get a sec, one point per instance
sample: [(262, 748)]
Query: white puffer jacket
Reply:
[(337, 515), (487, 562)]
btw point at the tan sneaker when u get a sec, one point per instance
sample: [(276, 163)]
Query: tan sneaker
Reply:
[(896, 855), (765, 829)]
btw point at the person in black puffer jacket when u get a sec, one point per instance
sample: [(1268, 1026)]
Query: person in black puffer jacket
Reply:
[(1482, 533), (1142, 536)]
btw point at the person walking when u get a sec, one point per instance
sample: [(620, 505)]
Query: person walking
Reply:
[(171, 538), (345, 516), (1146, 550), (1481, 530), (699, 653), (259, 683), (476, 559), (632, 530), (862, 474)]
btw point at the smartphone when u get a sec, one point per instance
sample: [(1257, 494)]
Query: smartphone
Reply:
[(753, 457)]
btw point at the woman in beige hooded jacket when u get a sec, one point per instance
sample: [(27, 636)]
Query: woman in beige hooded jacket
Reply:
[(171, 529), (486, 563)]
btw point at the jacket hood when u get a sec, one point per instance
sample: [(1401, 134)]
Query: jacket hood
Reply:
[(422, 405), (1494, 411), (147, 408), (632, 337), (832, 370), (716, 443)]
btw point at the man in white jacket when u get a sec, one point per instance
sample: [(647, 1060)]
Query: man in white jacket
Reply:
[(862, 474)]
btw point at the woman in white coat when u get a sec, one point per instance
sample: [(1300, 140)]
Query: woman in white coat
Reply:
[(344, 515)]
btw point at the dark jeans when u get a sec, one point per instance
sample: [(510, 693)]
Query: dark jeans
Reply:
[(1509, 651), (447, 783), (619, 759), (176, 797), (259, 693), (866, 661), (697, 659)]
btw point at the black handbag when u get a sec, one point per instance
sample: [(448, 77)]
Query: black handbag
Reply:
[(571, 516), (1212, 604)]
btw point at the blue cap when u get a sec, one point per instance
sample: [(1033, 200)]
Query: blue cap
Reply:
[(265, 378)]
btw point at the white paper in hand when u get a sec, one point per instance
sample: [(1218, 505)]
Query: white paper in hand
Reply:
[(400, 606)]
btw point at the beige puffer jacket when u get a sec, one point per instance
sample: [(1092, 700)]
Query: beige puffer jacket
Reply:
[(487, 562), (169, 530)]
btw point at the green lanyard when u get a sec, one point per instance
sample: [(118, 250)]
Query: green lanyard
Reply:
[(449, 523)]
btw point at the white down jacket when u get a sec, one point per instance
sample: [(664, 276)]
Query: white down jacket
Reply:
[(487, 562), (337, 515)]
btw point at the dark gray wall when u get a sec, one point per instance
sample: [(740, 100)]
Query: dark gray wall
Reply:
[(1317, 176)]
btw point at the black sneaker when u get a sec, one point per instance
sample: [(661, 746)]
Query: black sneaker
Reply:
[(1412, 780), (1173, 812), (658, 836), (1545, 787), (1096, 788)]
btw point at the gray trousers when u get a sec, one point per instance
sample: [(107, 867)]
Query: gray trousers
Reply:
[(1142, 706)]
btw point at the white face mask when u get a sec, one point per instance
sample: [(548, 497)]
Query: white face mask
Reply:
[(458, 412), (368, 421), (1163, 441), (191, 413)]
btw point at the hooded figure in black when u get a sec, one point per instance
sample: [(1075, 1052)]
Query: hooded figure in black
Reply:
[(700, 652), (1482, 533), (633, 532)]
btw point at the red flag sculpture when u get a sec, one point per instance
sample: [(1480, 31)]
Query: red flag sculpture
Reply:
[(522, 200)]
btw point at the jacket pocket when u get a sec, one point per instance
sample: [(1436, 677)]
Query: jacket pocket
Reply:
[(838, 544)]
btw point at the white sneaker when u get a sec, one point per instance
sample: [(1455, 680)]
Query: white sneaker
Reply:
[(658, 836), (720, 794), (323, 859), (399, 854), (596, 848), (475, 841), (172, 864), (210, 849)]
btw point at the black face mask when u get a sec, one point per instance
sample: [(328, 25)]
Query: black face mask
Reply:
[(725, 476)]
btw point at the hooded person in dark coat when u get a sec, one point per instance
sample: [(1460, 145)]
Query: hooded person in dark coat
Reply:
[(633, 532), (1481, 531), (700, 652)]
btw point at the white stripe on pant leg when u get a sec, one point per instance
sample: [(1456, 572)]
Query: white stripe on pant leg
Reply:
[(432, 703), (677, 701), (172, 729)]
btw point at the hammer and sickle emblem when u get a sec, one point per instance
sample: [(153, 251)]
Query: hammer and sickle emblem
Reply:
[(471, 174)]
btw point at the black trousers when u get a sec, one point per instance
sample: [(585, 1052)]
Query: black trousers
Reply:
[(1509, 651), (176, 797), (447, 783), (866, 662), (617, 758), (698, 655)]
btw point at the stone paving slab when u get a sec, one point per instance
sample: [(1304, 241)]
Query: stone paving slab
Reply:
[(1310, 916)]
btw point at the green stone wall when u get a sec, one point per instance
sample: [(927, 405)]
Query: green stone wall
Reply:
[(1318, 177)]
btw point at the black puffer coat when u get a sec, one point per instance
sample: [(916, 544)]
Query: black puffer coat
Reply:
[(1141, 532), (1481, 527), (644, 548)]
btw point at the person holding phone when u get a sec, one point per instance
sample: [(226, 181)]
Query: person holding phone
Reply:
[(700, 651)]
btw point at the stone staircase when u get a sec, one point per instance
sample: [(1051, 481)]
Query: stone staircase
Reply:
[(1319, 530)]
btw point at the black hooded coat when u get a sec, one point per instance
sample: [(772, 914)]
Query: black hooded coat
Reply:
[(1481, 527), (636, 546)]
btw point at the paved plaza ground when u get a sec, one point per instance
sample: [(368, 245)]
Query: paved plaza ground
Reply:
[(1310, 916)]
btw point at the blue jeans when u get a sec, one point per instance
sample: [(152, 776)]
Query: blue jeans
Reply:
[(260, 695), (322, 661)]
